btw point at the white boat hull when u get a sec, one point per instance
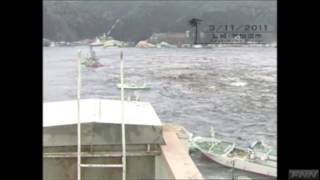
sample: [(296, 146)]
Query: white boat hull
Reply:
[(125, 86), (245, 165)]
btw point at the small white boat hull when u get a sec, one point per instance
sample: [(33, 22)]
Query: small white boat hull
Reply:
[(96, 44), (128, 86), (246, 165)]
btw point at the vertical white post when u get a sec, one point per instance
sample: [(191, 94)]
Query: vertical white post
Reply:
[(100, 110), (78, 117), (122, 119)]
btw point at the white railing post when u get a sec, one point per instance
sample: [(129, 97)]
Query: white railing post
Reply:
[(122, 120), (78, 117)]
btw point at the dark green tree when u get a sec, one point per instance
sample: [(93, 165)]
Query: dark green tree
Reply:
[(194, 22)]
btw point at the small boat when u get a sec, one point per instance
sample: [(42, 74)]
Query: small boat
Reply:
[(93, 63), (264, 151), (134, 86), (96, 43), (258, 158), (197, 46)]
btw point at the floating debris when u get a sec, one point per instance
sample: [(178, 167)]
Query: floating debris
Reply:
[(134, 86), (240, 83), (92, 61), (186, 46), (197, 46), (212, 87), (165, 45), (46, 42), (145, 44)]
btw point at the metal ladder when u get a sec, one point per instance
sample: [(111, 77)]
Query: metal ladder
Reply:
[(123, 133)]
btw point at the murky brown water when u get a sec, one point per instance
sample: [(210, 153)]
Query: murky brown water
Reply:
[(231, 89)]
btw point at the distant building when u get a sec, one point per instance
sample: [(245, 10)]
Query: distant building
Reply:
[(188, 34)]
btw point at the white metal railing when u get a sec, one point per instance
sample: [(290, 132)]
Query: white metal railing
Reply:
[(123, 134)]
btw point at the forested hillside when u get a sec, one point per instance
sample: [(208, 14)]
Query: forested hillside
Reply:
[(134, 21)]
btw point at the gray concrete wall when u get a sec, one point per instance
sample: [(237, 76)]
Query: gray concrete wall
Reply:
[(65, 168), (162, 170), (101, 134)]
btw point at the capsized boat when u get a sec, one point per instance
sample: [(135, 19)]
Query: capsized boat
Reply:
[(134, 86), (258, 158)]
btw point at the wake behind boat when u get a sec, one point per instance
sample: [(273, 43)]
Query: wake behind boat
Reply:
[(259, 158)]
